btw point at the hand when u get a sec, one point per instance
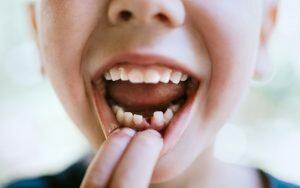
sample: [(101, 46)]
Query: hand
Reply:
[(126, 159)]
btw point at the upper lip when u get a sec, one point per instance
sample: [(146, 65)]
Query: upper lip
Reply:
[(142, 59)]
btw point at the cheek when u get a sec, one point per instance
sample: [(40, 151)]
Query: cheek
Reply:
[(64, 28), (231, 32), (232, 40)]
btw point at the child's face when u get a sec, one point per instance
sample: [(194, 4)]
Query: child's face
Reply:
[(214, 42)]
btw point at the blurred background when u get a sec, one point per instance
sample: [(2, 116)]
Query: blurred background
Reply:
[(36, 136)]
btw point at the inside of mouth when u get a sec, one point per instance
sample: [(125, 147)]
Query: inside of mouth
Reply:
[(145, 104), (144, 99), (148, 112), (143, 109)]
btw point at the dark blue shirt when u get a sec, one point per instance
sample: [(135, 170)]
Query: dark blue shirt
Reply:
[(72, 177)]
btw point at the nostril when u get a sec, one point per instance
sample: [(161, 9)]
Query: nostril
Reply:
[(162, 18), (125, 15)]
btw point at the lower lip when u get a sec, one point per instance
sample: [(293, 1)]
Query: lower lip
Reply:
[(172, 133), (179, 123)]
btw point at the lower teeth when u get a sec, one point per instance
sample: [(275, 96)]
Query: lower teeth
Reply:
[(157, 121)]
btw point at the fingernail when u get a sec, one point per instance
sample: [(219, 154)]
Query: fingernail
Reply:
[(154, 132), (129, 131)]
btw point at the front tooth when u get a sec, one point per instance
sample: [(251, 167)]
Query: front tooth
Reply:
[(165, 76), (115, 74), (175, 77), (152, 76), (120, 115), (128, 116), (158, 118), (107, 76), (168, 115), (135, 76), (184, 77), (123, 74), (137, 119)]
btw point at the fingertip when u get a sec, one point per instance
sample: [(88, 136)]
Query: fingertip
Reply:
[(150, 138), (128, 131), (154, 132), (124, 131)]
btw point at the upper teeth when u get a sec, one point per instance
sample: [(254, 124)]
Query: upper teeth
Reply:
[(149, 75), (115, 74)]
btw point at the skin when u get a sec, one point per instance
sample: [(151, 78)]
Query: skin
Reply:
[(223, 43)]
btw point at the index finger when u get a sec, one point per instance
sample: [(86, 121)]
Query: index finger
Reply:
[(105, 161), (137, 164)]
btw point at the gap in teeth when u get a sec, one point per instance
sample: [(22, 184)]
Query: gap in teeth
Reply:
[(158, 119), (149, 75)]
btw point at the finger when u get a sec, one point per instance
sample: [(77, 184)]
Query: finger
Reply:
[(105, 161), (137, 164)]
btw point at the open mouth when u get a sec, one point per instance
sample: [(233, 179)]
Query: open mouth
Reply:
[(143, 96)]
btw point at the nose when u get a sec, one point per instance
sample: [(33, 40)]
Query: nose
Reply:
[(168, 12)]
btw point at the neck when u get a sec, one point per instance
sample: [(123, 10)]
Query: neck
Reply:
[(209, 172)]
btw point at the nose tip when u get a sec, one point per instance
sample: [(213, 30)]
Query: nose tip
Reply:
[(166, 12)]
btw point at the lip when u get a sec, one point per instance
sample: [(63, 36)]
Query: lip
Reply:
[(107, 119)]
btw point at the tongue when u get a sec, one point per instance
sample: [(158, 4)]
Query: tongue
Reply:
[(141, 97)]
